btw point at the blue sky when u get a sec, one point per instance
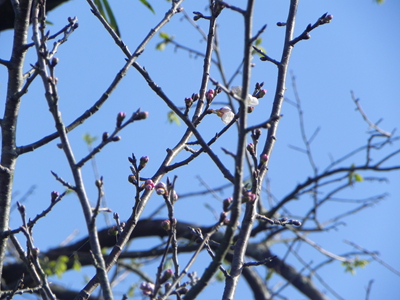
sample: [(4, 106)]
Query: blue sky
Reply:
[(357, 51)]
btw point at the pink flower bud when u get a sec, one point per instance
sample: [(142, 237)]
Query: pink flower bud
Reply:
[(143, 161), (210, 95), (149, 184), (188, 102), (120, 117), (166, 225), (264, 158), (161, 188), (251, 149), (142, 115), (250, 109), (248, 197)]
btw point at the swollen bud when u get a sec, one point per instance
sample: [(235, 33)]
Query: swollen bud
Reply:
[(264, 158), (54, 196), (120, 117), (166, 225), (142, 115), (143, 161), (166, 275)]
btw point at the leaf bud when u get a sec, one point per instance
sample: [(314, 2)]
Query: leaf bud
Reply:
[(105, 136), (116, 138), (54, 196)]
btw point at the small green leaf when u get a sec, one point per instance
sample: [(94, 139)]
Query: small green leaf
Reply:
[(147, 4), (161, 46), (258, 41), (89, 139), (358, 177), (76, 265), (260, 48), (219, 276), (173, 118), (164, 35), (269, 275)]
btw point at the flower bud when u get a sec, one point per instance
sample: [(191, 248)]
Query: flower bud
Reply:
[(264, 158), (149, 185), (248, 197), (166, 225), (195, 97), (147, 288), (99, 183), (54, 61), (132, 179), (250, 109), (226, 204), (161, 188), (251, 149), (222, 217), (256, 133), (120, 117), (188, 102), (166, 275), (143, 162), (116, 138), (142, 115), (210, 95), (261, 93)]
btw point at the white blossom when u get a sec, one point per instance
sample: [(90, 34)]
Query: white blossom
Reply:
[(250, 100)]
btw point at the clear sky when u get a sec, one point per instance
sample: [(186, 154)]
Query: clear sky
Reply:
[(357, 51)]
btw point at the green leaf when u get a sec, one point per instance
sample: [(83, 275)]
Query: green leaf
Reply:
[(164, 35), (112, 21), (109, 17), (358, 177), (258, 41), (89, 139), (147, 4), (173, 118), (219, 276), (76, 265), (161, 46), (269, 275)]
